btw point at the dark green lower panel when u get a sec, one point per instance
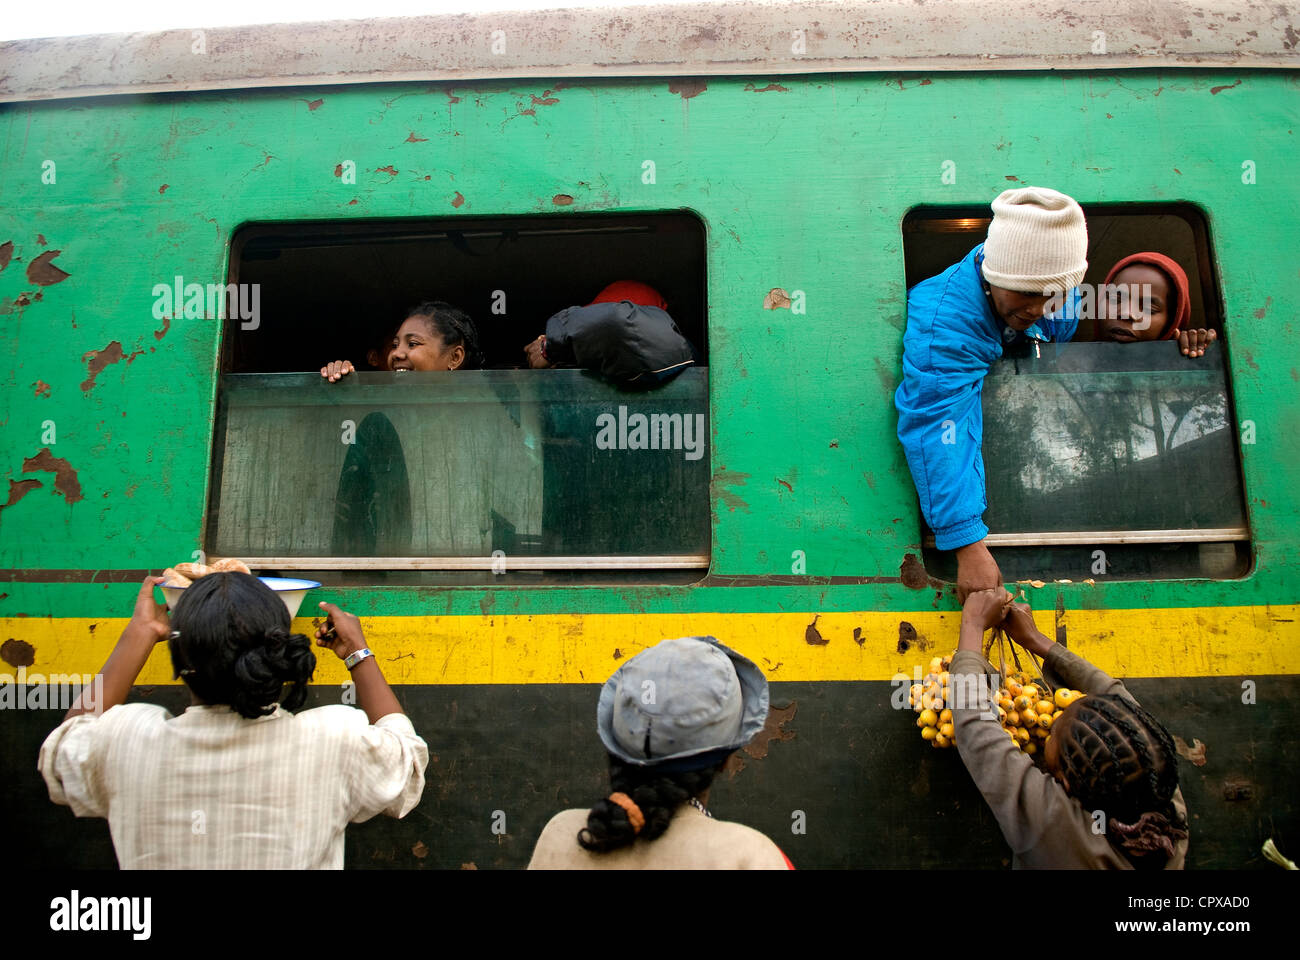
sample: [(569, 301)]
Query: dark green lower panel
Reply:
[(872, 793)]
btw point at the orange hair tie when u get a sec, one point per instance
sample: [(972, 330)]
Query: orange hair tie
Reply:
[(634, 814)]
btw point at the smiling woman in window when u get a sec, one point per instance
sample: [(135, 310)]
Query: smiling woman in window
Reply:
[(434, 336)]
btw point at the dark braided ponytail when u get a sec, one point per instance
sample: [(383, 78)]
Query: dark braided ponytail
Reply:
[(1119, 759), (233, 646), (657, 793)]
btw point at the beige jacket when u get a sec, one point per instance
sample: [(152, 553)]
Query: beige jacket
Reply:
[(691, 842), (1044, 826)]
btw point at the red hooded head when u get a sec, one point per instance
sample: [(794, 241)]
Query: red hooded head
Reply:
[(1177, 280)]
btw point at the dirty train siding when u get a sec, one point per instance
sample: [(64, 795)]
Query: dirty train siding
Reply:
[(802, 183)]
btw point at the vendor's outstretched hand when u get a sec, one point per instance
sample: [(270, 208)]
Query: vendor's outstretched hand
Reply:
[(986, 608), (1021, 628)]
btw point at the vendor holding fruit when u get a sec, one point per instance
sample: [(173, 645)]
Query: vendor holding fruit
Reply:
[(236, 781), (957, 324), (1108, 797)]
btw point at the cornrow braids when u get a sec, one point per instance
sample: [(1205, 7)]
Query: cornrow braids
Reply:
[(453, 326), (1119, 759), (658, 794)]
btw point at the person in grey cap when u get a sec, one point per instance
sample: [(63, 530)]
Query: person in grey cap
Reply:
[(669, 718)]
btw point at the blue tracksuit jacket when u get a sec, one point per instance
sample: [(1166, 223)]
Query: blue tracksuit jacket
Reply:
[(952, 337)]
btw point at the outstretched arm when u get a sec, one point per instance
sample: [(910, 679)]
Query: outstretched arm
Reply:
[(148, 625)]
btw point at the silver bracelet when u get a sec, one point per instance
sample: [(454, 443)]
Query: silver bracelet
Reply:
[(352, 659)]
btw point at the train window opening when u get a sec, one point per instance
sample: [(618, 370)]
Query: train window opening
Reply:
[(1104, 460), (501, 475)]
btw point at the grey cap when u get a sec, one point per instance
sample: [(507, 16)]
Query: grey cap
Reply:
[(681, 698)]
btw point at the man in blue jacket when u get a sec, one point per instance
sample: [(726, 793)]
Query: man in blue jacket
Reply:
[(957, 325)]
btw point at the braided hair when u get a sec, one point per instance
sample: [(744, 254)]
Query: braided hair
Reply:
[(1118, 758), (453, 327), (231, 645), (656, 792)]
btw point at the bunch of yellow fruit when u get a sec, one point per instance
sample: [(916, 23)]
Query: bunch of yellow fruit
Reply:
[(930, 699), (1028, 712), (1025, 710)]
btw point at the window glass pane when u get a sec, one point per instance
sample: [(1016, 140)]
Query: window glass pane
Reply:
[(1110, 437), (535, 464)]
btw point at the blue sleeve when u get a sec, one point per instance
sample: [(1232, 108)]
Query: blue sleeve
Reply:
[(941, 428)]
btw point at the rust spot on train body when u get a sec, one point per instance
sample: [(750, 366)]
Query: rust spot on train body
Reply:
[(771, 87), (19, 489), (17, 653), (912, 572), (545, 99), (774, 728), (1263, 311), (561, 199), (1015, 179), (338, 170), (65, 478), (451, 97), (688, 88), (1194, 753), (812, 636), (163, 188), (858, 638), (457, 200), (785, 483), (314, 105), (414, 139), (167, 324), (906, 636), (42, 388), (390, 170), (776, 299), (41, 241), (43, 273), (97, 360), (6, 253), (1226, 86)]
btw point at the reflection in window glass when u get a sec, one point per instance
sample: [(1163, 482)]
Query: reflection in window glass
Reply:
[(487, 470)]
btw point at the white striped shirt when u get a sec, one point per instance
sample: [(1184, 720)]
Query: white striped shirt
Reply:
[(213, 790)]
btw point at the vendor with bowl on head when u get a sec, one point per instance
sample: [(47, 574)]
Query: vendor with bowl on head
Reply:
[(958, 323), (274, 789), (669, 718)]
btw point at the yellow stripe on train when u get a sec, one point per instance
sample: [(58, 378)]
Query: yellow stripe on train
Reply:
[(586, 648)]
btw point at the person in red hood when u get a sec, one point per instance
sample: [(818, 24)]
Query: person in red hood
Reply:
[(625, 334), (1127, 319)]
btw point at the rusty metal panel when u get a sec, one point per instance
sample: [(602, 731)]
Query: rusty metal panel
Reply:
[(687, 40)]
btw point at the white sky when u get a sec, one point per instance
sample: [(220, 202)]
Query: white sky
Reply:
[(22, 19)]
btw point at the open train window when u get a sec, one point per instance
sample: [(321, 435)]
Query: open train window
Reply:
[(496, 475), (1104, 460)]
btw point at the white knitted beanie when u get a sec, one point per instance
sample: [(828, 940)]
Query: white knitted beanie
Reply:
[(1037, 243)]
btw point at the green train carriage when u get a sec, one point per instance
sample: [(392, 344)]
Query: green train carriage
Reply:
[(782, 179)]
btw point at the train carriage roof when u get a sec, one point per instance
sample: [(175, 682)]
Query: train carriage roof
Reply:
[(756, 39)]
